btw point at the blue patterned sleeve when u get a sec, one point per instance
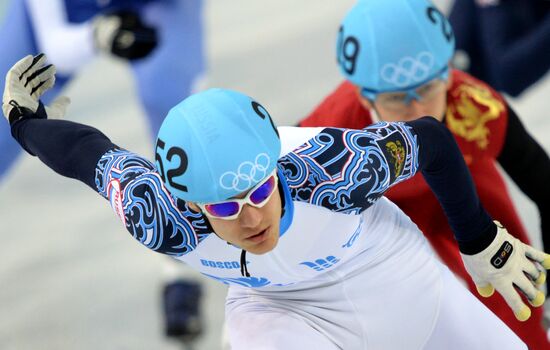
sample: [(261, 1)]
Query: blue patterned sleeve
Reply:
[(153, 217), (348, 170)]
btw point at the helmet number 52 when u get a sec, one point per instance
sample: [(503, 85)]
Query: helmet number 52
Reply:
[(171, 173)]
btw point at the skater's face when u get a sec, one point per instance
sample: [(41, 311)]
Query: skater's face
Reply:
[(255, 228), (428, 99)]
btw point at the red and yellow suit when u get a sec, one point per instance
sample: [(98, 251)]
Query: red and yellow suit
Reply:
[(477, 116)]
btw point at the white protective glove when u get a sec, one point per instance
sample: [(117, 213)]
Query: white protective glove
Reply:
[(26, 81), (509, 266)]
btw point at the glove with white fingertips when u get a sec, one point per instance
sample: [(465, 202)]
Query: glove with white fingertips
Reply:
[(26, 81), (545, 233), (123, 34), (511, 267)]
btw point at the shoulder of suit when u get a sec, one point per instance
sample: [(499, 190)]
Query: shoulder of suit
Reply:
[(293, 137)]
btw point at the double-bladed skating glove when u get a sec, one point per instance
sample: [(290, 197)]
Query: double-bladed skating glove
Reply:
[(26, 81), (123, 34), (511, 267)]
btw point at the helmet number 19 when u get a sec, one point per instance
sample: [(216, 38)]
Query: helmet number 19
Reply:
[(171, 173), (347, 49)]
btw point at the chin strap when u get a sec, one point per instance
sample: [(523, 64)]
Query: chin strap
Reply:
[(244, 269)]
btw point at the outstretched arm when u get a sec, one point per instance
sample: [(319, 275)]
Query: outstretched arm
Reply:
[(349, 169), (70, 149), (445, 171), (130, 182), (493, 258), (356, 167)]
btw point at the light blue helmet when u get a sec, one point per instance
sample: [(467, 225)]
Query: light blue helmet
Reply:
[(216, 144), (389, 45)]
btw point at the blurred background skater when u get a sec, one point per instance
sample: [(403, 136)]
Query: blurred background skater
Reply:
[(162, 40), (505, 43), (390, 82)]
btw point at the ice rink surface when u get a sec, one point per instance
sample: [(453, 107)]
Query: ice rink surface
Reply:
[(71, 277)]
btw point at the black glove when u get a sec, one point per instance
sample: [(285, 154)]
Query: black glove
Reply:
[(123, 34)]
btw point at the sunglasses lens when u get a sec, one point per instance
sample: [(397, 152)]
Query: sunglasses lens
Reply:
[(263, 192), (222, 210)]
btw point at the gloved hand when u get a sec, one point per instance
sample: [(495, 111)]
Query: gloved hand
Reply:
[(26, 81), (123, 34), (545, 233), (509, 266)]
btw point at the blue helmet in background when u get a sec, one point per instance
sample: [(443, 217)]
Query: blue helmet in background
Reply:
[(216, 144), (388, 45)]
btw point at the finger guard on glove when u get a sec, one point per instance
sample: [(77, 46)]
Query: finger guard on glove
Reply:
[(511, 267), (26, 81)]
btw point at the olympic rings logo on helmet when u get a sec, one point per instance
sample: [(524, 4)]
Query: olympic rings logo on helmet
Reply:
[(409, 70), (247, 174)]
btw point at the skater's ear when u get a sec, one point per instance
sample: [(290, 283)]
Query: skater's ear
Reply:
[(194, 207)]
